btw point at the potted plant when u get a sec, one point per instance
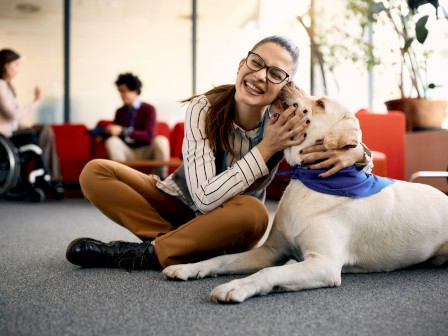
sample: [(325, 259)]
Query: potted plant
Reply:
[(409, 31)]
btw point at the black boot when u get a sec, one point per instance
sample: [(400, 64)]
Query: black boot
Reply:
[(87, 252), (58, 190)]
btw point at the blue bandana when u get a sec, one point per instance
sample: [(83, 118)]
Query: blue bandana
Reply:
[(348, 182)]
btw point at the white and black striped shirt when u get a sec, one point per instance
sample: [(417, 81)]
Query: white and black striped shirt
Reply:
[(207, 188)]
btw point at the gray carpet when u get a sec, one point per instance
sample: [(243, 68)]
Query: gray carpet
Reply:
[(42, 294)]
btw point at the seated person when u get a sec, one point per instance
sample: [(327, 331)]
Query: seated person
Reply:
[(133, 134), (11, 120)]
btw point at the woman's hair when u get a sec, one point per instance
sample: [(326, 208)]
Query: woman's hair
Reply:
[(132, 82), (286, 44), (219, 120), (6, 56)]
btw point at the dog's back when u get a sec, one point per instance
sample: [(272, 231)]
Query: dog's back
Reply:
[(404, 224)]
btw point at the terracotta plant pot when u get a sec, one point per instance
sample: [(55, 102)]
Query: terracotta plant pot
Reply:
[(420, 113)]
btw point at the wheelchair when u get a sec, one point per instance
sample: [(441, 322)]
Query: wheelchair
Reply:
[(23, 175)]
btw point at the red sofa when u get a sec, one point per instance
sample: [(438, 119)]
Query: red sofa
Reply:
[(384, 134), (76, 147)]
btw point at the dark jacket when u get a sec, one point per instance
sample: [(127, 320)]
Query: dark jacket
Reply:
[(141, 125)]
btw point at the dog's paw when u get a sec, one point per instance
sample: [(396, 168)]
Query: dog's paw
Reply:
[(235, 291), (183, 272)]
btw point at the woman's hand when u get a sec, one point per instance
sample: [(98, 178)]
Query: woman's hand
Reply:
[(283, 130), (336, 159)]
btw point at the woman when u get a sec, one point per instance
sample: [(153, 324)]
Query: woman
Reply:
[(214, 203), (11, 123)]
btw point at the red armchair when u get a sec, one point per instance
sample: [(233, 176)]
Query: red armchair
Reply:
[(76, 147), (73, 147), (386, 133)]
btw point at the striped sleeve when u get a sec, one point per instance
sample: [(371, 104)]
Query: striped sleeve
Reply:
[(367, 166), (207, 189)]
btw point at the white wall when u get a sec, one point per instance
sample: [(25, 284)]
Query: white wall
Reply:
[(40, 47), (153, 39), (161, 55)]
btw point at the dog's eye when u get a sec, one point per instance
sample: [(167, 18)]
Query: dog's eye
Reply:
[(320, 103)]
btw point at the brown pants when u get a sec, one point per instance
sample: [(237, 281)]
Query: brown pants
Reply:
[(131, 199)]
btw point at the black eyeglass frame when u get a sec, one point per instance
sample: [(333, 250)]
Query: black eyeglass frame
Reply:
[(265, 67)]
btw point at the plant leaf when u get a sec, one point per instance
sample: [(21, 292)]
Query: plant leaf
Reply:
[(420, 29), (378, 7)]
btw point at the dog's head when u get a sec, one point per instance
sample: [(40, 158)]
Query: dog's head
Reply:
[(330, 121)]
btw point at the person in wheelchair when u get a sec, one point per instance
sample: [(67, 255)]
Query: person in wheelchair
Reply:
[(13, 127)]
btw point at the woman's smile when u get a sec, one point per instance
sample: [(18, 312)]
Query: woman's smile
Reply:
[(253, 87)]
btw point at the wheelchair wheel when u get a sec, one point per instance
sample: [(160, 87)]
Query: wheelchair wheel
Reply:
[(37, 195), (9, 165)]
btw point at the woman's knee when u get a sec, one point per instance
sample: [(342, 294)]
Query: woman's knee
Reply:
[(46, 130), (95, 176), (45, 135), (254, 213), (91, 171)]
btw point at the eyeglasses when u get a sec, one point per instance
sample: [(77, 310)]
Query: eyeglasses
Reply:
[(273, 74)]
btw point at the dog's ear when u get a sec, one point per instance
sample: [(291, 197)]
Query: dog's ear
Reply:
[(302, 92), (291, 86), (286, 90), (345, 133), (291, 90)]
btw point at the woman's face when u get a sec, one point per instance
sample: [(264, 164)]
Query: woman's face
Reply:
[(252, 87), (11, 69)]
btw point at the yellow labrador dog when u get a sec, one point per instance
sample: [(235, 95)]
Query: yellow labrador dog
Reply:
[(362, 223)]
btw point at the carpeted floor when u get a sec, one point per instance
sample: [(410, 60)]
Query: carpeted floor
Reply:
[(42, 294)]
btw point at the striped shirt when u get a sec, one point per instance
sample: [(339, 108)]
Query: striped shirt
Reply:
[(208, 189)]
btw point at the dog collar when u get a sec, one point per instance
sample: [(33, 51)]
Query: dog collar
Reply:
[(348, 182)]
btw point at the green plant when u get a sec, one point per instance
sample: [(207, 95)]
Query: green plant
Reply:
[(400, 20), (410, 31), (333, 42)]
